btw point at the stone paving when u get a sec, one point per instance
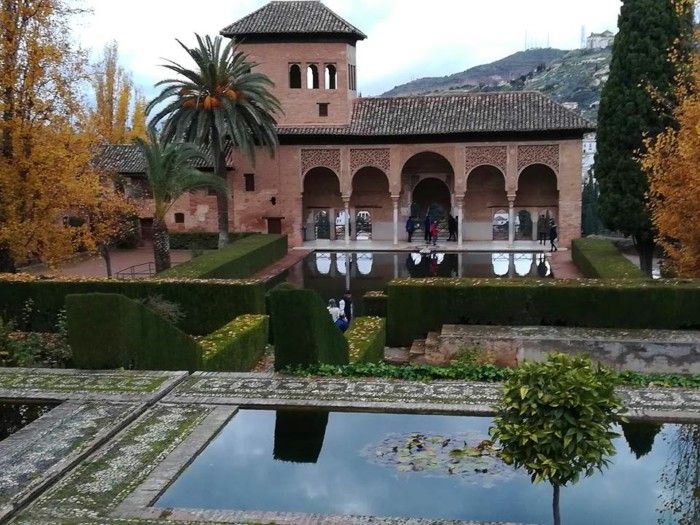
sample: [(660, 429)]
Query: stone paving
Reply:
[(120, 438)]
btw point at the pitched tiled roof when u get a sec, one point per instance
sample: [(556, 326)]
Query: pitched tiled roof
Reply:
[(295, 17), (503, 112), (127, 159)]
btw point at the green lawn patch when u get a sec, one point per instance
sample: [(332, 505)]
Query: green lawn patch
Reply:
[(600, 259)]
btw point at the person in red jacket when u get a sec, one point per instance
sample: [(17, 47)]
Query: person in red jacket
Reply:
[(434, 232)]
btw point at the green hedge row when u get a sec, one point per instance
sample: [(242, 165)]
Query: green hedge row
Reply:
[(303, 330), (237, 346), (418, 306), (600, 259), (366, 339), (107, 331), (374, 304), (207, 305), (239, 260), (200, 240)]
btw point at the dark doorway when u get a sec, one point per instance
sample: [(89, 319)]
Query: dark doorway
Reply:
[(432, 196), (146, 226), (274, 225)]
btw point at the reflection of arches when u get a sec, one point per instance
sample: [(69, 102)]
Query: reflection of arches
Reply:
[(323, 263), (486, 192), (295, 76), (312, 80), (321, 194), (330, 76), (500, 263), (341, 262), (365, 262), (499, 225), (371, 199), (523, 263)]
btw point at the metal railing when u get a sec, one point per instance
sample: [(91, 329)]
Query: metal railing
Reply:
[(137, 271)]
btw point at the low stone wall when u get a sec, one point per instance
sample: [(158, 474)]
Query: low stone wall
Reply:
[(649, 351)]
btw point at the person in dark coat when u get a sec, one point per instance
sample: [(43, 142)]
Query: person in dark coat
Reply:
[(426, 228), (410, 228), (347, 299), (553, 235), (451, 228)]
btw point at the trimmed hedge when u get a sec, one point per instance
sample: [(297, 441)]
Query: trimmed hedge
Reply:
[(107, 331), (237, 346), (303, 330), (239, 260), (419, 306), (201, 240), (366, 339), (600, 259), (374, 304), (207, 305)]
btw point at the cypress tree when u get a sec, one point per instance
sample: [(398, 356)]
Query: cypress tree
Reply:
[(641, 75)]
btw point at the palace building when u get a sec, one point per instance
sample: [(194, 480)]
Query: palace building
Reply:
[(356, 168)]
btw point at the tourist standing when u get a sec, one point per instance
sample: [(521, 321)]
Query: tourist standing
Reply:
[(434, 232), (347, 305), (542, 229), (451, 228), (342, 323), (553, 236), (333, 310), (426, 228), (410, 227)]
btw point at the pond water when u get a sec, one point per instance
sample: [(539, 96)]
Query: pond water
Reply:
[(331, 273), (14, 416), (426, 466)]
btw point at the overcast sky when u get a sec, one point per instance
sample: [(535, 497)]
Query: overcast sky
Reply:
[(407, 39)]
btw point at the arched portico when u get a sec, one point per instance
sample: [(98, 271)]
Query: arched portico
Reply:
[(484, 203), (537, 195), (321, 203), (370, 205)]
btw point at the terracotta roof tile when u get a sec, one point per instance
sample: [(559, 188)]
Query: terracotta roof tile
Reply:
[(127, 159), (292, 17)]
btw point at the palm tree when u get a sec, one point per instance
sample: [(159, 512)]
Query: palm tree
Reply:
[(170, 171), (218, 102)]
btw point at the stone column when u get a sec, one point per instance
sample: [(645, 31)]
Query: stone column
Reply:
[(511, 219), (460, 225), (346, 204), (395, 203), (331, 219), (396, 266)]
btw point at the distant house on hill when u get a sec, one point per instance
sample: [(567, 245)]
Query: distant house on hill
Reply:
[(600, 40)]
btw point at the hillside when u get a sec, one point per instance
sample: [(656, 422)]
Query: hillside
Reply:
[(572, 76), (502, 70)]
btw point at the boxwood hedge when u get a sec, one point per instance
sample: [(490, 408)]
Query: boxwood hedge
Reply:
[(302, 329), (374, 304), (600, 259), (418, 306), (238, 260), (201, 240), (237, 346), (366, 339), (207, 305)]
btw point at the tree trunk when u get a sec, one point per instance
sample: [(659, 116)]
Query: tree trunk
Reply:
[(556, 518), (645, 245), (221, 199), (7, 262), (161, 245), (107, 256)]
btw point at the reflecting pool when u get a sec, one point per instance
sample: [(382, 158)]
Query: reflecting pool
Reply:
[(331, 273), (14, 416), (427, 467)]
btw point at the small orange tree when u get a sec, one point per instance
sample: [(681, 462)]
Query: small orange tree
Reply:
[(672, 163)]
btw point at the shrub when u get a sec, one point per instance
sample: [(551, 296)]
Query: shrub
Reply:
[(555, 420), (207, 305), (166, 309), (418, 306), (303, 330), (109, 331), (374, 304), (201, 240), (237, 346), (239, 260), (366, 339), (600, 259)]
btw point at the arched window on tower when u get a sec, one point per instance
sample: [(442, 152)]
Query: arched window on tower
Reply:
[(331, 76), (295, 76), (312, 76)]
